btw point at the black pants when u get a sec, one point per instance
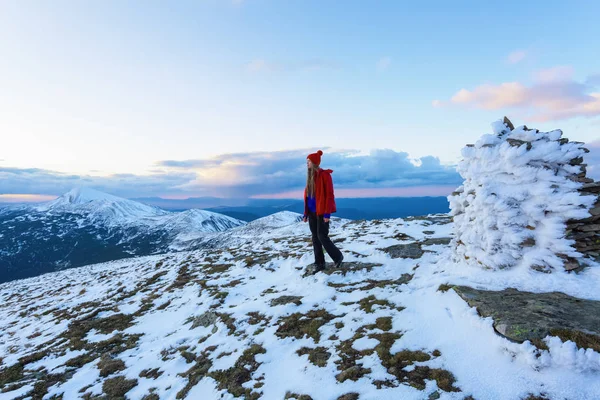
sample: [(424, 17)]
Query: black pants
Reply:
[(320, 239)]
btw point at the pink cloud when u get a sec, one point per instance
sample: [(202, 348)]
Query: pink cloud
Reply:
[(25, 198), (554, 95)]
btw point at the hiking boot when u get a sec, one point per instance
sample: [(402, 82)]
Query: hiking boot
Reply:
[(313, 269), (338, 263), (319, 268)]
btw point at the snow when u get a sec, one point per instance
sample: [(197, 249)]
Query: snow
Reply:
[(254, 233), (365, 344), (16, 393), (277, 220), (485, 365), (83, 195), (512, 195)]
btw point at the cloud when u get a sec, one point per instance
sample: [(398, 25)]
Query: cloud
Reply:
[(384, 64), (243, 175), (46, 182), (561, 73), (553, 95), (516, 56), (251, 174)]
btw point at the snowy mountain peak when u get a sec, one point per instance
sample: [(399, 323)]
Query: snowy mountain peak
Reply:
[(85, 195), (99, 205), (201, 221), (277, 220)]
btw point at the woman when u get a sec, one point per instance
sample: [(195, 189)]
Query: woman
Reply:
[(319, 204)]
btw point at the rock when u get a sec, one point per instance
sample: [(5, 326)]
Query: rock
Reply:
[(518, 143), (571, 264), (439, 219), (581, 180), (204, 320), (349, 266), (521, 316), (286, 300), (435, 395), (590, 228), (348, 396), (583, 248), (508, 123), (411, 250), (541, 268), (592, 219), (529, 242), (593, 187), (434, 241), (576, 161)]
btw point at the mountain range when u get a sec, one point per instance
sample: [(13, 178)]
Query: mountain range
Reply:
[(348, 208), (85, 226)]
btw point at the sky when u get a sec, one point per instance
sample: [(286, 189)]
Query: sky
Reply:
[(227, 97)]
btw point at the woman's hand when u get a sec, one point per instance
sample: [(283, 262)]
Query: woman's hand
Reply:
[(304, 219), (326, 219)]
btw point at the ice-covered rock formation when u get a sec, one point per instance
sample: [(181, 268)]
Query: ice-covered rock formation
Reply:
[(525, 201)]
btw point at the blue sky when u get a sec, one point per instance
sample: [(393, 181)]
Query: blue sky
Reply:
[(104, 94)]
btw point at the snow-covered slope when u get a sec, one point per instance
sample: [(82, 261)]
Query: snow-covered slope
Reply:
[(85, 226), (258, 231), (277, 220), (243, 322), (199, 221)]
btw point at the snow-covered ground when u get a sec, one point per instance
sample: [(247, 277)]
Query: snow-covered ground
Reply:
[(213, 324)]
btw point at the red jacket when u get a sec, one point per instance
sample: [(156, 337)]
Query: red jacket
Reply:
[(323, 193)]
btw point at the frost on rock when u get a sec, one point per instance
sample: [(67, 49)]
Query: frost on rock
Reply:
[(525, 202)]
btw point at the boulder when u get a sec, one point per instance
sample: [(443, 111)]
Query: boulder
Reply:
[(410, 250), (204, 320), (521, 316), (286, 300), (434, 241)]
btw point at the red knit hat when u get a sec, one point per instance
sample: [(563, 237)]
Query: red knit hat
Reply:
[(315, 157)]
